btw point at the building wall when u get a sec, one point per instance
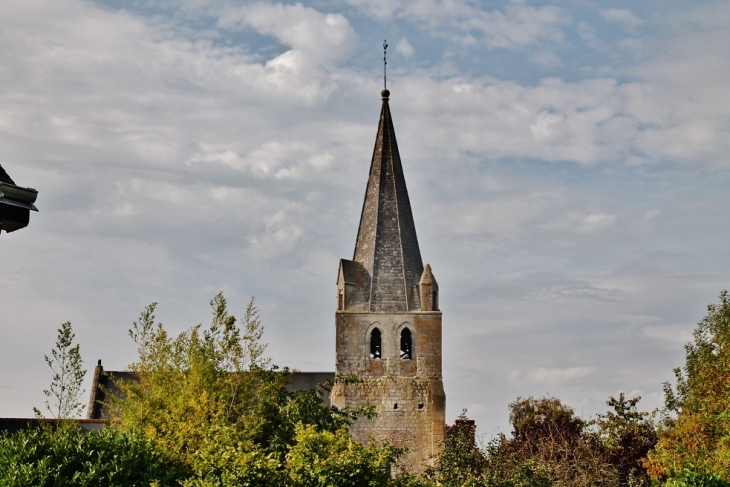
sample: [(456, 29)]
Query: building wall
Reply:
[(407, 394)]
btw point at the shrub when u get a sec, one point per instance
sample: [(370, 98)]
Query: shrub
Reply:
[(42, 457)]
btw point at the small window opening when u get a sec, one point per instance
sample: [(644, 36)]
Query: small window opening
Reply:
[(375, 342), (395, 406), (341, 301), (420, 406), (406, 344)]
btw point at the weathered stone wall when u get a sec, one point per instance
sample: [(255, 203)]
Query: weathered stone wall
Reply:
[(408, 394), (352, 343)]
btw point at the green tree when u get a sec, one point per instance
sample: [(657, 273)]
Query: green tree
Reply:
[(548, 432), (691, 477), (463, 463), (68, 375), (333, 459), (695, 433), (627, 435), (214, 405), (201, 385), (41, 457)]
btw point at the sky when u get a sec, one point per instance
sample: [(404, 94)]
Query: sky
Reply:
[(567, 164)]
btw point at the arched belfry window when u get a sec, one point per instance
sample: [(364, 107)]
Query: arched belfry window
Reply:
[(375, 344), (406, 344)]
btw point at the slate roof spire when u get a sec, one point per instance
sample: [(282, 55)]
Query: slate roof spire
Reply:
[(387, 246)]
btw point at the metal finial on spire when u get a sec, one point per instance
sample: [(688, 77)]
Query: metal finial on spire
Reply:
[(385, 63)]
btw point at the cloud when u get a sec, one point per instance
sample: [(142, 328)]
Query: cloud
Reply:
[(595, 120), (326, 38), (623, 17), (570, 220), (405, 48), (589, 34), (547, 59), (515, 26), (549, 376), (673, 333), (577, 290), (582, 223)]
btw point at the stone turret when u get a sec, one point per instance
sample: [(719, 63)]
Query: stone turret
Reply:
[(429, 290), (388, 322)]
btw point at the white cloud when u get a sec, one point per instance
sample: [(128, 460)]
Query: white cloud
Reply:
[(673, 333), (590, 121), (577, 291), (325, 38), (515, 26), (405, 48), (589, 34), (549, 376), (547, 59), (581, 223), (623, 17), (570, 220), (500, 216)]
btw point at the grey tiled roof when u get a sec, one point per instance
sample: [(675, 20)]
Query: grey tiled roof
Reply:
[(387, 246)]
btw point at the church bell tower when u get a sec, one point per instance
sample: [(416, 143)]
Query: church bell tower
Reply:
[(388, 321)]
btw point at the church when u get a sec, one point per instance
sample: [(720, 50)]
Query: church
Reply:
[(387, 322)]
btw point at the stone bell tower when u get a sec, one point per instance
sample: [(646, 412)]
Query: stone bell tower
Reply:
[(388, 321)]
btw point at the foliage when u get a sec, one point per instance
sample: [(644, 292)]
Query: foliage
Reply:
[(200, 384), (216, 407), (41, 457), (695, 433), (535, 419), (68, 375), (462, 463), (504, 468), (549, 446), (627, 435), (226, 461), (549, 433), (325, 458), (691, 477)]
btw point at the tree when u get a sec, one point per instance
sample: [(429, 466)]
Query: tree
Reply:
[(325, 458), (202, 385), (534, 420), (214, 405), (549, 433), (627, 435), (461, 462), (42, 457), (68, 375), (695, 434)]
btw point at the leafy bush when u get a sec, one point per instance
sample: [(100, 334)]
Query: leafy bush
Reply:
[(324, 459), (696, 430), (216, 406), (690, 476), (42, 457)]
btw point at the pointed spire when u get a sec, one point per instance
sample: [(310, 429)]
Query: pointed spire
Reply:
[(387, 246)]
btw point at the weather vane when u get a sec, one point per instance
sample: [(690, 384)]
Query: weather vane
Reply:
[(385, 63)]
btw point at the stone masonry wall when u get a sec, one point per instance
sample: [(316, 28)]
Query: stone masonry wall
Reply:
[(408, 394)]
